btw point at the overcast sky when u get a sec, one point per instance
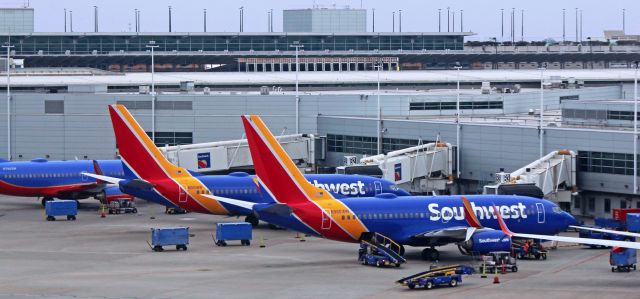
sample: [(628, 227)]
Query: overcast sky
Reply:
[(543, 18)]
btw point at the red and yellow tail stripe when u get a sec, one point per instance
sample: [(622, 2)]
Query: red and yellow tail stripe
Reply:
[(142, 156), (286, 184)]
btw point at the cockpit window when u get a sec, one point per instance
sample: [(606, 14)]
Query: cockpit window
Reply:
[(557, 209), (394, 187)]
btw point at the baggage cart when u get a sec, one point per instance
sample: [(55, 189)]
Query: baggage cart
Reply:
[(447, 275), (67, 208), (167, 236), (622, 259), (233, 231)]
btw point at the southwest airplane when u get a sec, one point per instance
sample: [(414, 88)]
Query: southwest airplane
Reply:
[(471, 221), (157, 180), (58, 179)]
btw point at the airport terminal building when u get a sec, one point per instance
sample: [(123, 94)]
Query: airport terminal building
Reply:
[(66, 118)]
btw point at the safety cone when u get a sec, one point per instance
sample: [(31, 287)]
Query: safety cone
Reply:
[(297, 235), (103, 214), (496, 279), (262, 245)]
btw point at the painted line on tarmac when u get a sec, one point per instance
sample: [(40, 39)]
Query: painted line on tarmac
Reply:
[(581, 262)]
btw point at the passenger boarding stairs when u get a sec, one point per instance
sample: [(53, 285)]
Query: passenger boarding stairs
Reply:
[(384, 246), (554, 174)]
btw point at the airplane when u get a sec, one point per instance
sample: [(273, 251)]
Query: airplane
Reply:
[(152, 177), (58, 179), (424, 221)]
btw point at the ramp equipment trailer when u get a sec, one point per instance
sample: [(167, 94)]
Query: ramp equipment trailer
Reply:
[(622, 259), (448, 275), (55, 208), (178, 236), (233, 231), (378, 250)]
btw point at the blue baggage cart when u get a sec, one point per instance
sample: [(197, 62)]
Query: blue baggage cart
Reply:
[(67, 208), (233, 231), (178, 236), (622, 259), (633, 222)]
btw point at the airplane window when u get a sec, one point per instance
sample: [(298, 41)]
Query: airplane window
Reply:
[(348, 217), (342, 217), (406, 215)]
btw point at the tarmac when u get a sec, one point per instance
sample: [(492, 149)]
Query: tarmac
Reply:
[(95, 257)]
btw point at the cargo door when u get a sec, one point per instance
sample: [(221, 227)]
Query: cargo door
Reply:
[(540, 208), (182, 195), (326, 219), (378, 187)]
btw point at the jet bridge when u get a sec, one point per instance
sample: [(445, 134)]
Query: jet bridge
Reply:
[(426, 168), (554, 174), (221, 156)]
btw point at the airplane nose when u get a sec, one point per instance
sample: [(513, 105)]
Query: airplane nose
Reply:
[(569, 219)]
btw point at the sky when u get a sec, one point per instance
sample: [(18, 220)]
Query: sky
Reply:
[(542, 18)]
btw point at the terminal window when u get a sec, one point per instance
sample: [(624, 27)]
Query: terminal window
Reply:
[(366, 145), (53, 107), (601, 162), (452, 105), (172, 138)]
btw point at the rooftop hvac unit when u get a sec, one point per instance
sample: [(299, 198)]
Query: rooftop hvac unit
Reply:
[(264, 90), (187, 86), (486, 88), (143, 89), (207, 90)]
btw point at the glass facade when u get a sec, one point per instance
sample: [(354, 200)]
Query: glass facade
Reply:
[(452, 105), (172, 138), (600, 162), (95, 43), (366, 145)]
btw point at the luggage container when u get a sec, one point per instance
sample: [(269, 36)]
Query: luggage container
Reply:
[(633, 222), (622, 259), (67, 208), (609, 223), (233, 231), (621, 214), (178, 236)]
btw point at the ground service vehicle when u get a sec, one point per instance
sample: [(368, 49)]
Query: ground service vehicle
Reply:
[(448, 275), (622, 259), (501, 260)]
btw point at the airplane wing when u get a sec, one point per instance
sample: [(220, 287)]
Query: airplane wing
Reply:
[(610, 231), (506, 231), (105, 178)]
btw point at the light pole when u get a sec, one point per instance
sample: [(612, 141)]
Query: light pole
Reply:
[(205, 20), (95, 18), (400, 20), (373, 21), (458, 67), (635, 129), (502, 25), (541, 131), (297, 45), (241, 18), (152, 45), (379, 66), (564, 26), (448, 19), (65, 20), (70, 20), (8, 46), (439, 19), (393, 21)]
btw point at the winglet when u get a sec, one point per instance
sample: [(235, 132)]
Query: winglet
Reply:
[(503, 226), (97, 170), (470, 216)]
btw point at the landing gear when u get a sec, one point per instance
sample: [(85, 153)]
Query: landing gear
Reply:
[(45, 199), (253, 220), (430, 254)]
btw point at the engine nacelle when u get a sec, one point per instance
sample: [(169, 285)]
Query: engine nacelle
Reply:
[(485, 242)]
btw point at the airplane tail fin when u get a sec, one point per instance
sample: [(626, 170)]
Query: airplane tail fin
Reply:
[(138, 152), (275, 169)]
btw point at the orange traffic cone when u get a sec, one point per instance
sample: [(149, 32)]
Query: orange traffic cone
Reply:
[(496, 279)]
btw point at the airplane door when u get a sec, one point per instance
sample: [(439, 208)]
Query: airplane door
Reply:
[(540, 208), (378, 187), (182, 195), (326, 219)]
